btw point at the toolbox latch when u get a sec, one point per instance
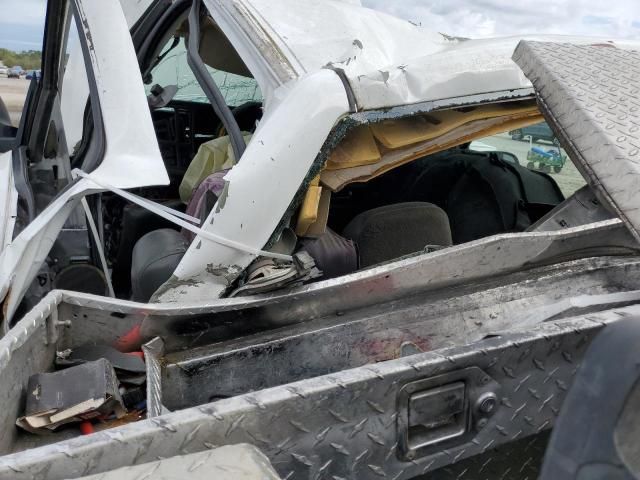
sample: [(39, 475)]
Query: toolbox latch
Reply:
[(437, 414), (444, 411)]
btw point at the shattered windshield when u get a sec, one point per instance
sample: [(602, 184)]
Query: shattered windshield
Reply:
[(174, 70)]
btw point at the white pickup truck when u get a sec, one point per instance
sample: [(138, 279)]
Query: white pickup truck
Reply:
[(279, 203)]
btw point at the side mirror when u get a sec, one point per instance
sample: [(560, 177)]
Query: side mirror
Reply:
[(7, 131)]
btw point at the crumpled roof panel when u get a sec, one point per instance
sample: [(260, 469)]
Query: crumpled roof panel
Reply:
[(389, 61), (319, 33)]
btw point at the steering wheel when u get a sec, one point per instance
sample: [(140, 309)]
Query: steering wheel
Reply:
[(246, 115)]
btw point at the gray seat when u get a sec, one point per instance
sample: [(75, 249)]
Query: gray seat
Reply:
[(389, 232), (155, 256)]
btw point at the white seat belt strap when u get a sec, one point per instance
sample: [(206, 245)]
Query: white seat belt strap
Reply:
[(177, 218)]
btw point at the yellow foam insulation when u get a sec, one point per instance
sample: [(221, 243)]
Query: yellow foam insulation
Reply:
[(393, 134), (309, 215), (407, 148), (319, 227), (358, 148)]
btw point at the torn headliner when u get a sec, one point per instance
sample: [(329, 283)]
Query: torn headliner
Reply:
[(350, 122), (356, 120)]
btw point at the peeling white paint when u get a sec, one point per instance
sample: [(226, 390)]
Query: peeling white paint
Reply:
[(133, 9), (8, 200)]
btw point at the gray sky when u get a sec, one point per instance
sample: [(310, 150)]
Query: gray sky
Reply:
[(21, 20), (22, 24), (488, 18)]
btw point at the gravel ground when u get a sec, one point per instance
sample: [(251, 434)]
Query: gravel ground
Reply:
[(13, 92)]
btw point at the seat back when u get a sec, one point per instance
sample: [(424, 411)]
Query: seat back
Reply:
[(137, 221), (389, 232), (155, 257), (482, 194)]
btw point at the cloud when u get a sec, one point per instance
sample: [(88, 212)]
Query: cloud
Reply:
[(22, 24), (488, 18), (23, 12), (22, 21)]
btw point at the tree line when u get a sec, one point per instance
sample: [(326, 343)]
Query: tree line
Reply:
[(29, 60)]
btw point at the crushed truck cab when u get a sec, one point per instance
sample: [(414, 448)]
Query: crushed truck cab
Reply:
[(383, 105), (307, 218)]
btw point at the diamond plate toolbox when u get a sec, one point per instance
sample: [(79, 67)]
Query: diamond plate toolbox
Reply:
[(362, 423), (589, 94)]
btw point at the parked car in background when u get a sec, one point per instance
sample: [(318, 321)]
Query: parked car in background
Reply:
[(539, 131), (4, 70), (477, 146), (32, 73), (15, 72)]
